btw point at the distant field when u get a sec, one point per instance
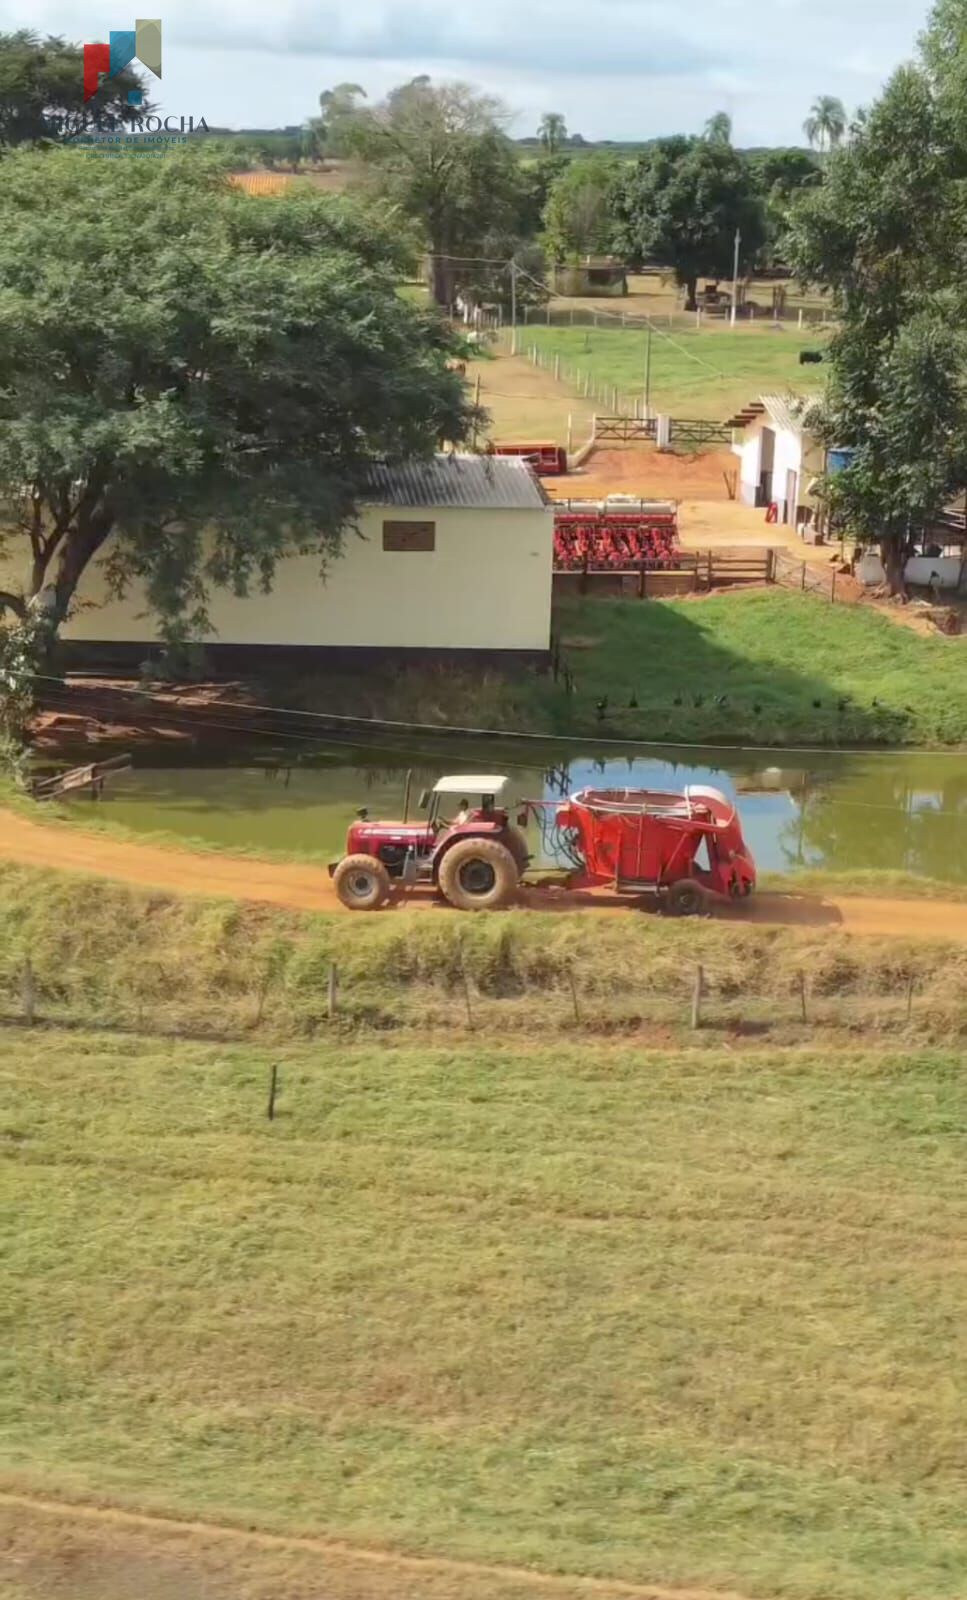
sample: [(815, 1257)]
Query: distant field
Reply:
[(707, 374), (580, 1307)]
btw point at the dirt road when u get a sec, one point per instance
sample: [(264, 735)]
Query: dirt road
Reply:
[(308, 888)]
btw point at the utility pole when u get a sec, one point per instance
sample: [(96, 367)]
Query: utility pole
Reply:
[(648, 375), (513, 307), (735, 277)]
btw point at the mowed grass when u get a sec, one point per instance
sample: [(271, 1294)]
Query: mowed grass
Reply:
[(760, 667), (712, 373), (683, 1318)]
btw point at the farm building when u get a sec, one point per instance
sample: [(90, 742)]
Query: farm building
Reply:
[(452, 558), (779, 457), (595, 276)]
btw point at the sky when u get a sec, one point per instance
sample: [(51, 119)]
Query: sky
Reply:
[(616, 69)]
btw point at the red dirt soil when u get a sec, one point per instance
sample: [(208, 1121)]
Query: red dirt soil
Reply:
[(307, 888)]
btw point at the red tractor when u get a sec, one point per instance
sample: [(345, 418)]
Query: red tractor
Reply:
[(466, 847)]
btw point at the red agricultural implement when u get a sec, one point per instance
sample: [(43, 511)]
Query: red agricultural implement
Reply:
[(677, 850), (547, 460), (607, 537)]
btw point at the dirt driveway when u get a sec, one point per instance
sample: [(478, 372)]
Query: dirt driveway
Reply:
[(307, 888)]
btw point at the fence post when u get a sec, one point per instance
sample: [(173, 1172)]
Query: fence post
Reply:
[(832, 589), (697, 996), (800, 316), (557, 368), (570, 432), (802, 995), (574, 994), (273, 1086), (28, 992), (333, 990), (710, 574), (804, 577)]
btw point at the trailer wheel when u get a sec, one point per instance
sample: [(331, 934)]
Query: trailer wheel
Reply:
[(517, 845), (362, 883), (479, 875), (685, 899)]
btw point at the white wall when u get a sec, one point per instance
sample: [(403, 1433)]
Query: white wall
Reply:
[(485, 586), (788, 458), (750, 456)]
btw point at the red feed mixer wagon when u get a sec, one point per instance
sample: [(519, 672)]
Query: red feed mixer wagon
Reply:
[(678, 850)]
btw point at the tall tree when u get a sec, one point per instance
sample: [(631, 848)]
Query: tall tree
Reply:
[(886, 232), (826, 123), (42, 92), (195, 424), (578, 217), (438, 153), (718, 128), (681, 205), (337, 108), (552, 131)]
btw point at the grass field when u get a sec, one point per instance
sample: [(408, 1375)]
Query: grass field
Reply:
[(586, 1308), (818, 673), (710, 374)]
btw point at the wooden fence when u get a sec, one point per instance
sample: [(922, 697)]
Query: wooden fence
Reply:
[(793, 574), (625, 428), (688, 572), (697, 431)]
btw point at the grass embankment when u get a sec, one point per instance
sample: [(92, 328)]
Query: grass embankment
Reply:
[(791, 669), (684, 1318), (708, 374), (104, 955)]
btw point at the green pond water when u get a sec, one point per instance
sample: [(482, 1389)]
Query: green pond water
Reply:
[(844, 813)]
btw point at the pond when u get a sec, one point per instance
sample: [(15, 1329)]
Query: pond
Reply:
[(884, 811)]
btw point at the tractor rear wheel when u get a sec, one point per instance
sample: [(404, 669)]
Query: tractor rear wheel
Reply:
[(362, 883), (685, 899), (479, 875), (517, 845)]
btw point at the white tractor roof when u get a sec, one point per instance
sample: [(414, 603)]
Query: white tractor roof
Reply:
[(473, 783)]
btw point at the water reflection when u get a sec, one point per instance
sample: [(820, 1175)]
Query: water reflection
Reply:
[(889, 812)]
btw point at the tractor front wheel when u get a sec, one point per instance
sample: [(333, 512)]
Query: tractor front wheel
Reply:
[(685, 899), (479, 875), (362, 883)]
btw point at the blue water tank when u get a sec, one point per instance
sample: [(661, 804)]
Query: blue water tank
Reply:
[(838, 460)]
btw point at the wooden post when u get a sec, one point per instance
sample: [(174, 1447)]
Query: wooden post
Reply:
[(697, 995), (709, 576), (333, 990), (574, 994), (570, 432), (273, 1086), (557, 368), (466, 991), (804, 577), (802, 995), (800, 316), (832, 589), (911, 985), (28, 992)]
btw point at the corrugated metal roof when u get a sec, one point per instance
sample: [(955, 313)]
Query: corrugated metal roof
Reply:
[(499, 483), (786, 411)]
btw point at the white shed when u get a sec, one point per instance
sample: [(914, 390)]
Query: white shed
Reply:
[(450, 557), (779, 457)]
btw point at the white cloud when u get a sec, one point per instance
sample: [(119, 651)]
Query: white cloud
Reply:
[(618, 69)]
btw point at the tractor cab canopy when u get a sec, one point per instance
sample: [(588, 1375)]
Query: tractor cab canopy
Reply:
[(473, 784)]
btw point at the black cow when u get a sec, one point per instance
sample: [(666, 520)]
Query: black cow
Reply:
[(810, 358)]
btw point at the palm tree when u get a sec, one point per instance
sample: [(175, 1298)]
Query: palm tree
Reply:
[(826, 123), (718, 129), (552, 131)]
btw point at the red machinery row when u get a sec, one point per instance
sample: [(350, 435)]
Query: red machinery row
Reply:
[(603, 537)]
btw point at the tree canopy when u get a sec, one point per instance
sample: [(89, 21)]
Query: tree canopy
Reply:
[(682, 203), (886, 233), (552, 132), (578, 216), (439, 154), (195, 375), (826, 123), (42, 92)]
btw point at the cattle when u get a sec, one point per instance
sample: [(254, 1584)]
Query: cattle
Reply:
[(810, 358)]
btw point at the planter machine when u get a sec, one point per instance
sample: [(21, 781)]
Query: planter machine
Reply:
[(678, 850)]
